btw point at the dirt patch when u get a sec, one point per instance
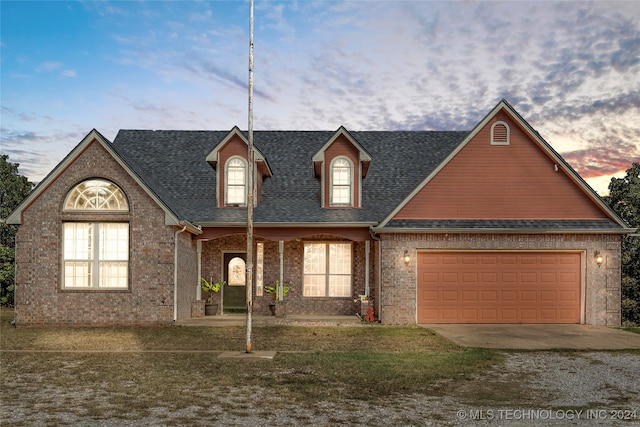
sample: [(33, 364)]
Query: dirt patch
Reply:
[(550, 388)]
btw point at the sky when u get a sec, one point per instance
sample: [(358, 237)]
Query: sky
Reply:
[(571, 69)]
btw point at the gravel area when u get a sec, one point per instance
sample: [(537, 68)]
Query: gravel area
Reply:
[(591, 388)]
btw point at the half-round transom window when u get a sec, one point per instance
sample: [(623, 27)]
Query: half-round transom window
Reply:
[(96, 194)]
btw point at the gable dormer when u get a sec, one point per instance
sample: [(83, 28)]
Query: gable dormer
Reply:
[(341, 164), (229, 158)]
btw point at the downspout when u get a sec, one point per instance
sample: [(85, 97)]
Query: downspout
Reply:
[(379, 273), (175, 273), (15, 277)]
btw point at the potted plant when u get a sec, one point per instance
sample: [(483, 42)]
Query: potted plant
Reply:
[(211, 288), (275, 291)]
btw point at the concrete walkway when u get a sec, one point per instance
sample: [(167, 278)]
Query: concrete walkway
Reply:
[(538, 337)]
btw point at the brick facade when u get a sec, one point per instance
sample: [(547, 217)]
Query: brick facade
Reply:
[(601, 283), (157, 277), (40, 298)]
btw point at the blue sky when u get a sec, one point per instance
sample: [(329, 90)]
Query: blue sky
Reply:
[(572, 69)]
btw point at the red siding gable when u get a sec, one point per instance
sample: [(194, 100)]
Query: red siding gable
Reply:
[(515, 181)]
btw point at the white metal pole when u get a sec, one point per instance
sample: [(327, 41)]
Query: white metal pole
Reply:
[(251, 186)]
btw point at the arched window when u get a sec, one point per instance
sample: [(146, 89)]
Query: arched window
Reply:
[(96, 194), (95, 252), (236, 182), (341, 182), (236, 272), (500, 134)]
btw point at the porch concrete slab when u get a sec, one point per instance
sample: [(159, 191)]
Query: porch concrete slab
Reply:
[(258, 320), (243, 355), (538, 337)]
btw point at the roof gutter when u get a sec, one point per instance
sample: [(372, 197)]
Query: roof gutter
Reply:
[(503, 230), (289, 225)]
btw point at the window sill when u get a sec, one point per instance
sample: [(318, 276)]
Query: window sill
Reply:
[(93, 290)]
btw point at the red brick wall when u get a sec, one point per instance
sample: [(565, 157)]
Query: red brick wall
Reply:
[(149, 299)]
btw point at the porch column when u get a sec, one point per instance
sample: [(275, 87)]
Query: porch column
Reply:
[(367, 248), (198, 288), (281, 252)]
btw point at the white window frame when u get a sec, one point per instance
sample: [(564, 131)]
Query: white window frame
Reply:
[(333, 185), (326, 278), (95, 253), (508, 140), (98, 266), (96, 195), (227, 184)]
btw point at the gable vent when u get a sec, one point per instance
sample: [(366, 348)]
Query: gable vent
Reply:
[(500, 134)]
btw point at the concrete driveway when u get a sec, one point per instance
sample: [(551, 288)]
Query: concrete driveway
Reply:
[(538, 337)]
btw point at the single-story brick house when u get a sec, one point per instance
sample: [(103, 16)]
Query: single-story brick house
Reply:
[(483, 226)]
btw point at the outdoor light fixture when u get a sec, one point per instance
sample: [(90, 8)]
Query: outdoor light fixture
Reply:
[(407, 257), (599, 258)]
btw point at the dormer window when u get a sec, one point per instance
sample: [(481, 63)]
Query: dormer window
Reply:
[(235, 182), (341, 182), (500, 134)]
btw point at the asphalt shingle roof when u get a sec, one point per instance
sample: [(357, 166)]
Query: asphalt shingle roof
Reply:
[(173, 165)]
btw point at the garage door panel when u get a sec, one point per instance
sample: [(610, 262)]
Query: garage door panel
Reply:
[(528, 296), (450, 315), (568, 295), (469, 315), (548, 296), (508, 296), (490, 296), (509, 277), (429, 296), (449, 278), (470, 296), (450, 296), (507, 316), (499, 287)]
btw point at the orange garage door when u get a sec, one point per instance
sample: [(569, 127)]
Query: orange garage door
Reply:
[(498, 287)]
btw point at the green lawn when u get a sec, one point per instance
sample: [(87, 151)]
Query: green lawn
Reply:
[(126, 371)]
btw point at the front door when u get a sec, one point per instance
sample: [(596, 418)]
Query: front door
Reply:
[(234, 298)]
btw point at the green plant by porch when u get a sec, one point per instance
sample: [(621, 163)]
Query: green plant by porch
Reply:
[(211, 288), (275, 290)]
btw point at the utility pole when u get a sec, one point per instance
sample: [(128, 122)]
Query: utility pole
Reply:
[(250, 190)]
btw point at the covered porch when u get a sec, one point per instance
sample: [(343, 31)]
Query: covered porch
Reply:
[(280, 255)]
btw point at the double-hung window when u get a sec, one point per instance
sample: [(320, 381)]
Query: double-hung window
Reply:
[(96, 255), (327, 270), (236, 182), (341, 182), (95, 252)]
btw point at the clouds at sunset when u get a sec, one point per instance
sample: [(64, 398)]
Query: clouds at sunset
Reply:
[(571, 69)]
